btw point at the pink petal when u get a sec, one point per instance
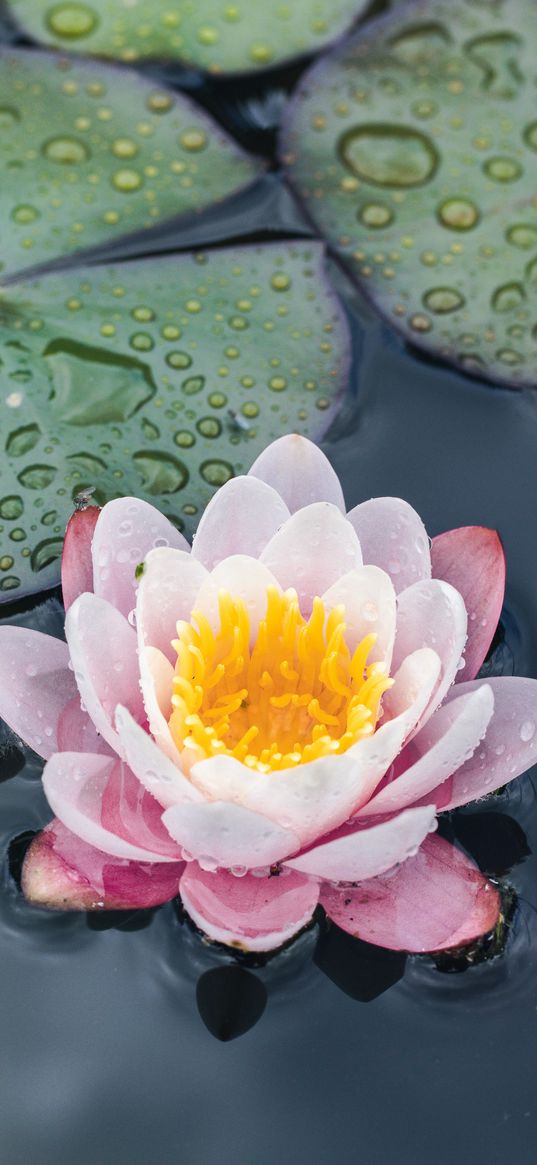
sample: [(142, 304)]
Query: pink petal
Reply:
[(127, 529), (312, 550), (432, 614), (255, 914), (392, 536), (167, 592), (245, 578), (101, 801), (156, 677), (314, 798), (159, 774), (61, 872), (228, 835), (356, 853), (426, 904), (240, 519), (509, 747), (35, 685), (105, 661), (76, 732), (300, 473), (369, 600), (473, 561), (77, 563), (451, 735)]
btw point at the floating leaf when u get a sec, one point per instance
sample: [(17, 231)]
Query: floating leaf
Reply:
[(209, 34), (162, 378), (89, 152), (415, 146)]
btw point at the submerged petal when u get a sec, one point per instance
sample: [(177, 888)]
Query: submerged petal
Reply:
[(473, 561), (300, 472), (255, 914), (62, 872), (240, 519), (35, 685), (433, 901), (392, 536)]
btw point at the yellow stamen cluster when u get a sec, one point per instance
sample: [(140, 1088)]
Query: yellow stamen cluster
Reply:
[(292, 696)]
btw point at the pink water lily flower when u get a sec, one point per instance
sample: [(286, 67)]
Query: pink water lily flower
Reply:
[(272, 719)]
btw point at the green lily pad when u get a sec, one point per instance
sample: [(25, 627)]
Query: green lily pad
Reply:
[(162, 378), (209, 34), (415, 147), (89, 152)]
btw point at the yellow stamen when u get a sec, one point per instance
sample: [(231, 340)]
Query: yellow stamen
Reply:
[(294, 695)]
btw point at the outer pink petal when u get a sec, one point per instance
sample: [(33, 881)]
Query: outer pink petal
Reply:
[(76, 732), (473, 561), (127, 529), (160, 775), (301, 474), (100, 800), (449, 738), (312, 550), (240, 519), (314, 798), (77, 563), (245, 578), (392, 536), (255, 914), (35, 685), (167, 593), (426, 904), (105, 661), (363, 851), (228, 835), (432, 614), (61, 872), (509, 747), (369, 600)]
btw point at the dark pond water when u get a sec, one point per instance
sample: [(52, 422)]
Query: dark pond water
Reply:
[(125, 1041)]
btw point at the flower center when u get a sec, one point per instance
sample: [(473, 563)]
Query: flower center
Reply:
[(295, 695)]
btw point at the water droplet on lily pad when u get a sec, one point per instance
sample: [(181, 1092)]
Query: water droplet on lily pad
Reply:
[(412, 146), (126, 409)]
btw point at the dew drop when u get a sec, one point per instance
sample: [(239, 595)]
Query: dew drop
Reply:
[(527, 731), (508, 297), (375, 215), (71, 21), (502, 169), (442, 300), (127, 180), (458, 214), (66, 151), (216, 472), (389, 155)]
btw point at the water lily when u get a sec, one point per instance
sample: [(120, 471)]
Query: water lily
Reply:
[(274, 718)]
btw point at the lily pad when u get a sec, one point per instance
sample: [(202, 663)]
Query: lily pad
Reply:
[(208, 34), (415, 147), (89, 152), (162, 378)]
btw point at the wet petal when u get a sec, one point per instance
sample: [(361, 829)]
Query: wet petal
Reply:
[(426, 904), (356, 853), (449, 738), (245, 578), (229, 835), (127, 529), (392, 536), (473, 561), (301, 474), (240, 519), (35, 685), (105, 662), (369, 600), (312, 550), (62, 872), (77, 562), (101, 801), (509, 747), (155, 770), (256, 914), (167, 592), (156, 677), (77, 732), (432, 614)]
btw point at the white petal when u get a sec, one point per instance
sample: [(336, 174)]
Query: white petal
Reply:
[(240, 519), (167, 592), (432, 614), (367, 852), (392, 536), (155, 771), (229, 835), (127, 529), (245, 578), (312, 550), (301, 474), (369, 600), (156, 679)]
